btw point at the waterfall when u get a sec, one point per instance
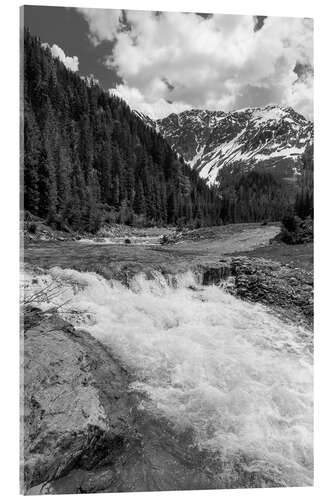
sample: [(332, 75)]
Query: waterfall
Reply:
[(232, 372)]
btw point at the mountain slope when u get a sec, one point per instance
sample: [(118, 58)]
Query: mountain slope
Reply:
[(89, 159), (272, 138)]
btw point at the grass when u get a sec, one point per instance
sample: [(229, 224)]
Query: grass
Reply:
[(300, 256), (108, 260)]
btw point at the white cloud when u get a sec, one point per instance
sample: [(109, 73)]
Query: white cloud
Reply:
[(154, 108), (300, 95), (71, 63), (215, 63), (103, 23)]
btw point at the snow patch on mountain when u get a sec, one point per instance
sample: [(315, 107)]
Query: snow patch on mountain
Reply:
[(196, 158)]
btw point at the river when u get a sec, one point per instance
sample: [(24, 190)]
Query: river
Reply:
[(232, 372)]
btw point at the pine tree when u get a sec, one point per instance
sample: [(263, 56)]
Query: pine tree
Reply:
[(32, 146), (139, 200), (304, 199)]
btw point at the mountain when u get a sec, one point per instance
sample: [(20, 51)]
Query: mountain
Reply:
[(89, 159), (271, 139), (146, 119)]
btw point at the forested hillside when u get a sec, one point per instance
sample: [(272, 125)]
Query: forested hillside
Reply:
[(88, 158), (253, 195), (304, 203), (259, 158)]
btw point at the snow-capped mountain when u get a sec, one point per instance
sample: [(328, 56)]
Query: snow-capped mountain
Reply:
[(271, 138)]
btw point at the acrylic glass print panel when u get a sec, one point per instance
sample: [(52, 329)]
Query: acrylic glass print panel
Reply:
[(167, 224)]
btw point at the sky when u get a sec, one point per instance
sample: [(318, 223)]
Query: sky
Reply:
[(168, 62)]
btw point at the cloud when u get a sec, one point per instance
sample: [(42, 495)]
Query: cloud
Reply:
[(71, 63), (103, 23), (153, 108), (175, 61)]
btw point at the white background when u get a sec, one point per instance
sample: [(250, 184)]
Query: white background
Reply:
[(9, 231)]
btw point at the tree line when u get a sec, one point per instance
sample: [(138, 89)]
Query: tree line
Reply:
[(254, 196), (304, 203), (297, 224), (88, 159)]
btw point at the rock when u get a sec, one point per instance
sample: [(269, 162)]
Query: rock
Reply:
[(214, 275), (65, 418), (170, 239), (164, 240), (279, 286)]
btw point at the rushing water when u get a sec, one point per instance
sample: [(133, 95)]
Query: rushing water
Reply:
[(230, 370), (123, 240)]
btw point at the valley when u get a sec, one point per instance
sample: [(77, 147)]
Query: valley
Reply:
[(214, 254), (113, 258), (167, 327)]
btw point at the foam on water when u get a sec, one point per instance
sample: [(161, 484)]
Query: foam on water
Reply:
[(122, 240), (229, 370)]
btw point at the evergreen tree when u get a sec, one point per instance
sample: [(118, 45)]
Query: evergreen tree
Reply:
[(32, 151), (304, 198)]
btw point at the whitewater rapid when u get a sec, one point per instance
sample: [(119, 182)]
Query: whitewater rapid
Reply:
[(231, 371)]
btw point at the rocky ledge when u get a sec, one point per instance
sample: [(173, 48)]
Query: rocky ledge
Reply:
[(285, 289)]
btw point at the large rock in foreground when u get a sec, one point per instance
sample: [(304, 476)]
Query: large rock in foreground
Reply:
[(73, 411)]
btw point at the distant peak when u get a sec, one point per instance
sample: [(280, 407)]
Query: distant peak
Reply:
[(271, 137), (273, 110)]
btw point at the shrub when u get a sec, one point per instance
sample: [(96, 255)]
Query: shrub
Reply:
[(110, 216), (139, 220), (295, 230), (291, 222), (32, 227)]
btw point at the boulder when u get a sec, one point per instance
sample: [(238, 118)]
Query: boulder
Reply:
[(67, 422)]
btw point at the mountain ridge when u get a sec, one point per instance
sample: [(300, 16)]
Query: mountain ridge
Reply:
[(270, 138)]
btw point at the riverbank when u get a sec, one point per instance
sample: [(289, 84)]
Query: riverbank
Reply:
[(277, 275)]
